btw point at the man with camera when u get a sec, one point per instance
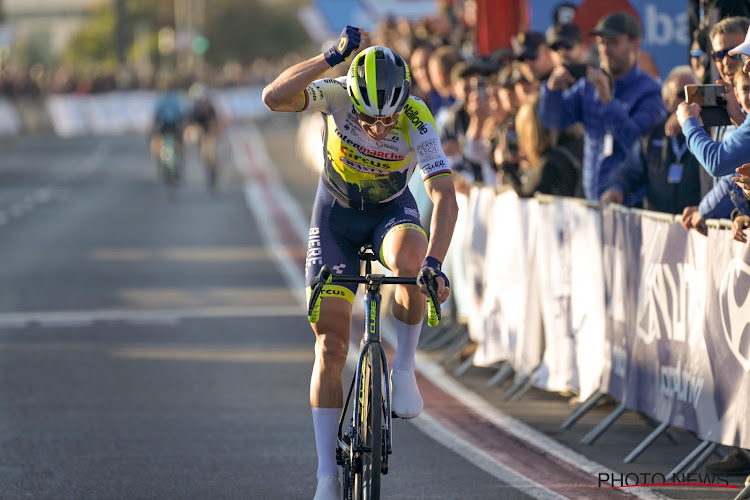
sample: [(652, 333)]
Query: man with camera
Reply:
[(616, 103)]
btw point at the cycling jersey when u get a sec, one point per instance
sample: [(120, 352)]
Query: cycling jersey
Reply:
[(361, 172)]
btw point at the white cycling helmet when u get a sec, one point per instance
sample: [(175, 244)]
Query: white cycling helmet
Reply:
[(378, 82)]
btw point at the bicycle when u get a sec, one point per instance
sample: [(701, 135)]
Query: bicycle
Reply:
[(363, 449), (170, 161)]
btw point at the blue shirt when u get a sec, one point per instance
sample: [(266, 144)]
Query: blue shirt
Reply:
[(635, 107), (718, 158), (723, 198)]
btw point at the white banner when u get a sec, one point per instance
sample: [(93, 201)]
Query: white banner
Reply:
[(501, 279), (571, 283)]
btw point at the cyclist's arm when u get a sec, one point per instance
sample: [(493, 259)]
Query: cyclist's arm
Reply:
[(444, 214), (287, 91)]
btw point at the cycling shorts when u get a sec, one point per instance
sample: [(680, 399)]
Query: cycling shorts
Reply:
[(337, 233)]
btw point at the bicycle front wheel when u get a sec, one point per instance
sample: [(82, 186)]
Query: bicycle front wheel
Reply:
[(367, 477)]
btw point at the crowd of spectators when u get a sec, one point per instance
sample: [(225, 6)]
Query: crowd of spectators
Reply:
[(585, 114)]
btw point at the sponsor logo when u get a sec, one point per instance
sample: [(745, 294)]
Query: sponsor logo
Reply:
[(365, 160), (435, 167), (373, 317), (674, 299), (429, 149), (734, 302), (333, 291), (414, 118), (313, 248)]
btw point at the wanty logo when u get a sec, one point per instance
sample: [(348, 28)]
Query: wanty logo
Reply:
[(734, 300)]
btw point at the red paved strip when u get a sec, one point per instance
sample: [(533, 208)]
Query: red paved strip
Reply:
[(527, 460)]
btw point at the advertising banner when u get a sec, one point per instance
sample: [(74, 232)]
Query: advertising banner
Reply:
[(669, 378), (727, 329), (621, 234)]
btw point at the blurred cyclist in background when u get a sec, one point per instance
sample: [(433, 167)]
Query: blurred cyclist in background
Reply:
[(203, 115), (374, 135), (169, 118)]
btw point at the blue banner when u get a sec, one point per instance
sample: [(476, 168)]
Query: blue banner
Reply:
[(666, 34)]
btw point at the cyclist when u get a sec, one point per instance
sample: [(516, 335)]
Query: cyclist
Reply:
[(203, 115), (169, 116), (374, 135)]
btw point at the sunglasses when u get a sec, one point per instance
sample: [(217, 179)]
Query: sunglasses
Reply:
[(370, 120), (721, 54), (697, 53)]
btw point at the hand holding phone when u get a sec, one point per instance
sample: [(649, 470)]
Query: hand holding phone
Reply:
[(713, 105)]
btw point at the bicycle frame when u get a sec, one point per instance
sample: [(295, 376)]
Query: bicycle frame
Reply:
[(350, 451)]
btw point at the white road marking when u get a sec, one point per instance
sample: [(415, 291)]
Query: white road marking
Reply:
[(139, 316)]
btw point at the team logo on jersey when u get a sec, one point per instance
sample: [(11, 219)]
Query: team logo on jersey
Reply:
[(414, 118)]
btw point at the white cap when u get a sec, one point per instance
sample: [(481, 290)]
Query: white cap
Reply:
[(743, 48)]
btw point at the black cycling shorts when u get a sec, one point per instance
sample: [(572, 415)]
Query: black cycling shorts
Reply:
[(337, 233)]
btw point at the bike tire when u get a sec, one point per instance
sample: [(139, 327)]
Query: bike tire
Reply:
[(367, 477)]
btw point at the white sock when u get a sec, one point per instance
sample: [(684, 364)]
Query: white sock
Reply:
[(406, 351), (326, 425)]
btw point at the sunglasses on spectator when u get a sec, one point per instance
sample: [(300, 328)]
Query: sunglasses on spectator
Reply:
[(718, 55), (696, 53), (370, 120)]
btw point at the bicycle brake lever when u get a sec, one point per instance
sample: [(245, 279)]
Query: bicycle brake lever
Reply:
[(313, 307)]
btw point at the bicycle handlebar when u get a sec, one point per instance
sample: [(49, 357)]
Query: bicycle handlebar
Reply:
[(325, 277)]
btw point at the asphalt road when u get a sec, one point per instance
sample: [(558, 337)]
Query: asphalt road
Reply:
[(157, 348), (152, 349)]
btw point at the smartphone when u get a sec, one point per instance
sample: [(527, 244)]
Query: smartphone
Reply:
[(479, 85), (705, 95), (710, 99), (576, 70)]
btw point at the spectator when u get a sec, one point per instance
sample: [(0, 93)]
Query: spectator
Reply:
[(544, 167), (566, 43), (532, 52), (672, 170), (699, 56), (721, 158), (421, 84), (439, 67), (726, 196), (616, 105), (725, 36)]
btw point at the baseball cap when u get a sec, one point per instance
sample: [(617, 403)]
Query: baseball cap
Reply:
[(617, 23), (743, 48), (563, 34), (526, 45)]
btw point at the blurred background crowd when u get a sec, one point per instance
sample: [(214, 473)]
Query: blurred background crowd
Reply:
[(576, 106)]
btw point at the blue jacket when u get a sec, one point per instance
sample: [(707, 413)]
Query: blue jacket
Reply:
[(636, 106), (724, 197), (718, 158)]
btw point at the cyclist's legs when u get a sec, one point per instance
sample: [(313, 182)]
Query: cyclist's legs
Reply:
[(402, 248), (331, 346)]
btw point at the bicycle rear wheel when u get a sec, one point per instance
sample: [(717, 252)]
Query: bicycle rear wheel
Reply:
[(367, 477)]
